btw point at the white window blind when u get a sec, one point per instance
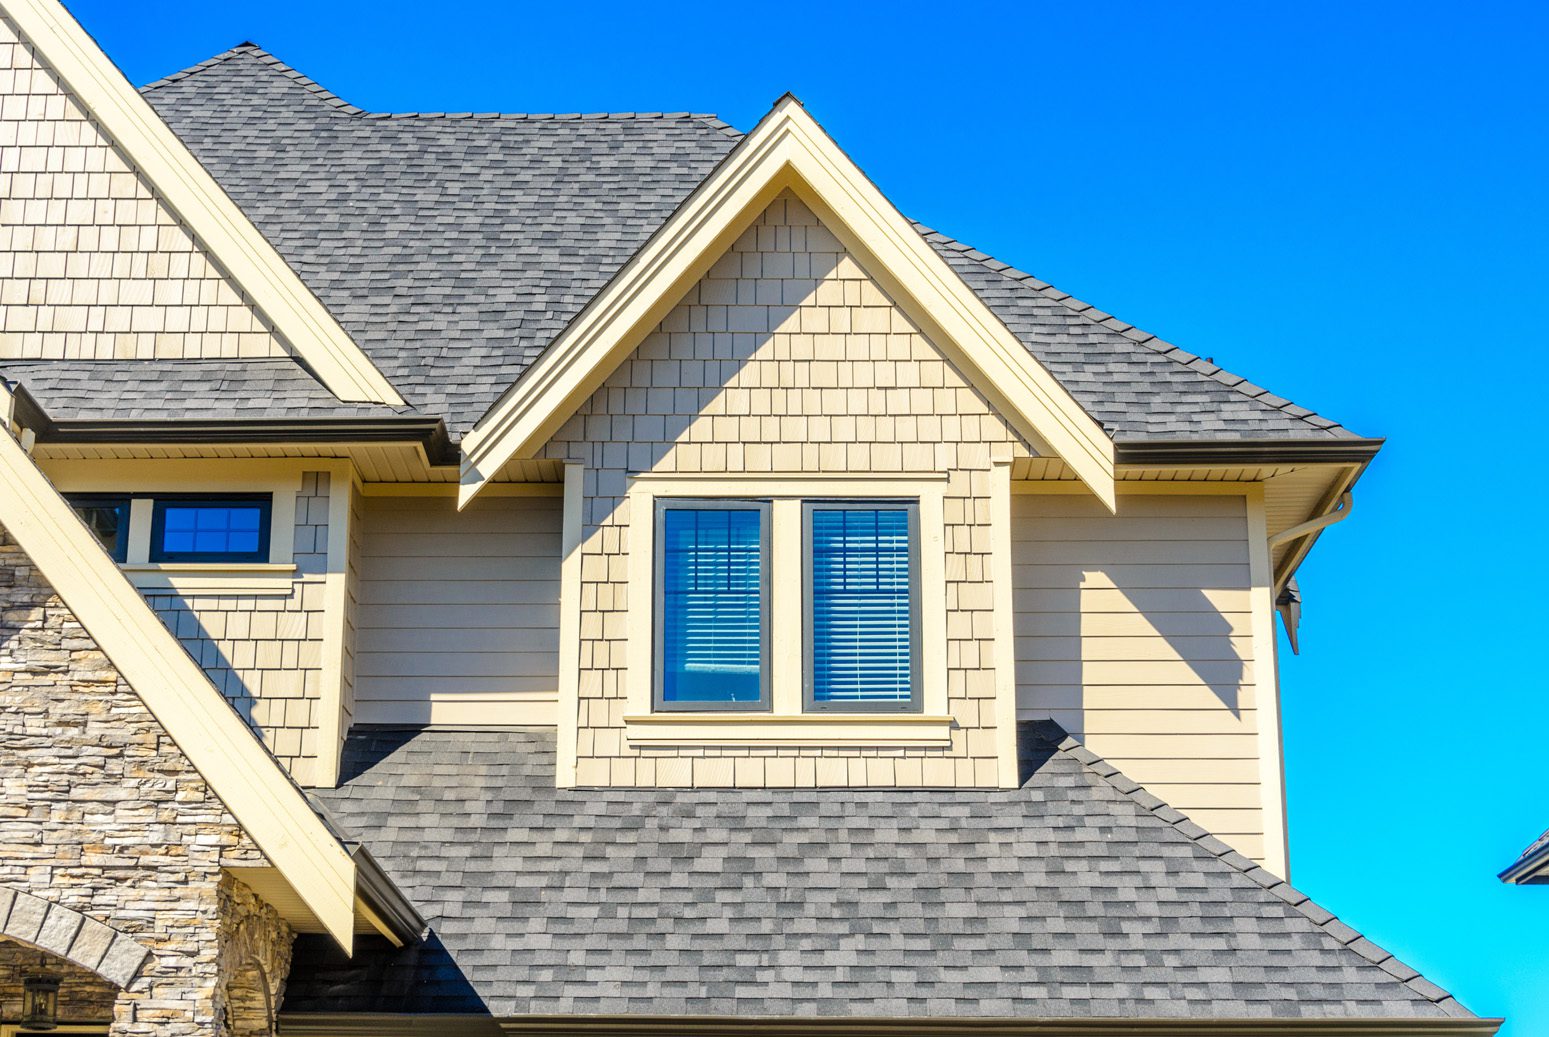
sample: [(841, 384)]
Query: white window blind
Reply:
[(712, 605), (862, 608)]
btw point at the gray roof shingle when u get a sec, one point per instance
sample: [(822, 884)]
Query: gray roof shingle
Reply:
[(454, 247), (1076, 895), (182, 390)]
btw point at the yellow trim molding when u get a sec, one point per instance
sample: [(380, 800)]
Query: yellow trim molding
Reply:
[(250, 782), (200, 203), (787, 150)]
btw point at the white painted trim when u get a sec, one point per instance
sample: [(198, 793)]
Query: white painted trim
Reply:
[(251, 783), (1008, 767), (200, 203), (786, 491), (1136, 489), (206, 578), (788, 150), (859, 730), (568, 707), (1266, 691)]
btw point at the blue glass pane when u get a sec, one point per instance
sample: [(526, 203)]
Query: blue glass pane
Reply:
[(862, 608), (712, 591), (212, 530)]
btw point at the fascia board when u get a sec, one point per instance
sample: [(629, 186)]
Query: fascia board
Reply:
[(200, 203), (243, 775)]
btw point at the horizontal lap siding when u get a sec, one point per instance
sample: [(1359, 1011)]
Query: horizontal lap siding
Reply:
[(1134, 632), (459, 611)]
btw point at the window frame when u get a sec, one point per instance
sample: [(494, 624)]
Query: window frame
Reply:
[(809, 702), (661, 505), (123, 502), (159, 502)]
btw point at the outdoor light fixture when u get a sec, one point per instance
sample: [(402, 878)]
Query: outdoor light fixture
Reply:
[(40, 1002)]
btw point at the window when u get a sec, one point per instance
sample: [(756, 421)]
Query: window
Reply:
[(210, 529), (712, 610), (107, 516), (862, 606)]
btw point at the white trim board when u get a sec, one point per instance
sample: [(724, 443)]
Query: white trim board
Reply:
[(787, 150), (186, 188)]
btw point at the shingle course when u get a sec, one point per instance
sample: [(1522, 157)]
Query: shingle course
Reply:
[(182, 390), (454, 246), (1065, 898)]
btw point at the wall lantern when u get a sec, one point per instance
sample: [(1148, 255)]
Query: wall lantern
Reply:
[(40, 1002)]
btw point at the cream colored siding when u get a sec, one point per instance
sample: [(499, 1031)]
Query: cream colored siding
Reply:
[(459, 611), (92, 263), (785, 358), (1135, 632), (264, 651)]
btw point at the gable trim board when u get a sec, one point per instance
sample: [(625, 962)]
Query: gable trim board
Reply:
[(199, 202), (250, 782), (787, 150)]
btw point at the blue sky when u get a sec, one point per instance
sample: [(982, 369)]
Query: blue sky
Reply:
[(1343, 202)]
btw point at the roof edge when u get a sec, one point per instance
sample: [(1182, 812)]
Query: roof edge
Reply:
[(317, 1024), (1270, 451), (1531, 865), (1325, 920)]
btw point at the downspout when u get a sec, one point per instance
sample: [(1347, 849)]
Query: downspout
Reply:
[(1346, 504), (1289, 603)]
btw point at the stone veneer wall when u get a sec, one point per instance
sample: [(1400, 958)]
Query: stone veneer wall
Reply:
[(786, 357), (92, 264), (265, 651), (100, 812)]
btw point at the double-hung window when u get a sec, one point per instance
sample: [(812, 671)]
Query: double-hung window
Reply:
[(856, 584), (712, 610), (862, 608)]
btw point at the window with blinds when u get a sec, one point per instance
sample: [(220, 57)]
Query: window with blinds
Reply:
[(712, 605), (862, 614)]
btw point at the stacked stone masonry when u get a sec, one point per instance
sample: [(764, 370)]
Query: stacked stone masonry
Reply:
[(265, 652), (786, 357), (93, 264), (102, 815)]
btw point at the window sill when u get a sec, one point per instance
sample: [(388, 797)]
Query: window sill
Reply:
[(211, 577), (863, 730)]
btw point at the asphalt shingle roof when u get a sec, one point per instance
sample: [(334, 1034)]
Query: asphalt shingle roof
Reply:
[(182, 390), (1076, 895), (454, 246)]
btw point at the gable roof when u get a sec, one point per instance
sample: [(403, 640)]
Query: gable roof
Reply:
[(456, 246), (1532, 867), (1076, 895), (188, 190)]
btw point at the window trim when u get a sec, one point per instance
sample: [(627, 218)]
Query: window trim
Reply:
[(124, 502), (160, 501), (809, 702), (659, 704)]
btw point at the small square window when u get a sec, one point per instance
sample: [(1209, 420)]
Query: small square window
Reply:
[(107, 516), (712, 605), (210, 529)]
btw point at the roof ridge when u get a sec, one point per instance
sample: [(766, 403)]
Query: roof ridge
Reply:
[(1343, 934), (308, 84), (333, 100), (1197, 364)]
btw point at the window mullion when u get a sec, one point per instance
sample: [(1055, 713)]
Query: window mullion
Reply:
[(785, 606)]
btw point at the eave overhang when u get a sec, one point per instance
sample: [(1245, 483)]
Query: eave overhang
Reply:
[(1200, 453), (1531, 869)]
